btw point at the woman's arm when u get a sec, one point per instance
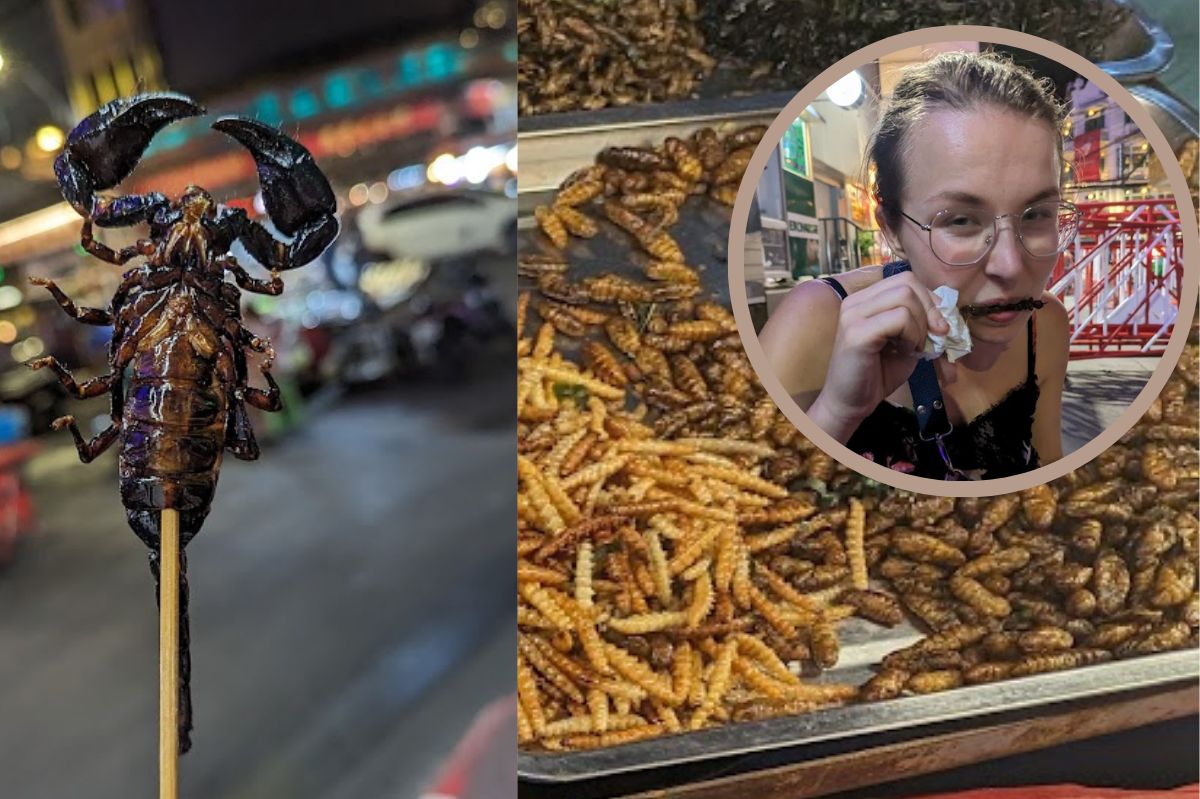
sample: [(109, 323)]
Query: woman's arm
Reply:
[(798, 339), (1053, 343)]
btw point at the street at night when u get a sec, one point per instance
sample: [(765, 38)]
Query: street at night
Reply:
[(351, 609)]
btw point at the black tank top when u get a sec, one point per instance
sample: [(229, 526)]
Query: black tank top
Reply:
[(997, 443)]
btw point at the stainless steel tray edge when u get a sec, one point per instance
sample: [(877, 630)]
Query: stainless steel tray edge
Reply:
[(1076, 685)]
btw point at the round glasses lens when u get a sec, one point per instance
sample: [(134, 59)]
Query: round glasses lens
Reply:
[(1047, 228), (961, 236)]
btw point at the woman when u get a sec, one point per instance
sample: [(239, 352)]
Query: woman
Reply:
[(968, 161)]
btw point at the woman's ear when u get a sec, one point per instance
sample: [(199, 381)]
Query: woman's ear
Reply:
[(890, 235)]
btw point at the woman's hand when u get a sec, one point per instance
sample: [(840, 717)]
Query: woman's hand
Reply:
[(881, 333)]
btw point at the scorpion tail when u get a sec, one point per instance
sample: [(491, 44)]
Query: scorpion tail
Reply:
[(145, 524), (185, 655)]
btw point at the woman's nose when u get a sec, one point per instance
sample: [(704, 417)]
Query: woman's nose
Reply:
[(1006, 260)]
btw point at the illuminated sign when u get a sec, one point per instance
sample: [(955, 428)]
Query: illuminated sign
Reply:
[(347, 88), (794, 148)]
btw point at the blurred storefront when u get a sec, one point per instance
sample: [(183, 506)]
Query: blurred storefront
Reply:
[(386, 122)]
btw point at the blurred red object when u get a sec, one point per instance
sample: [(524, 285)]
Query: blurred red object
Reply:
[(1069, 792), (16, 506), (483, 764)]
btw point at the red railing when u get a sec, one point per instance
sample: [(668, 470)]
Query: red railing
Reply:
[(1121, 280)]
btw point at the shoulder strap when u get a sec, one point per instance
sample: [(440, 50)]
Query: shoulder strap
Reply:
[(1032, 377), (835, 285)]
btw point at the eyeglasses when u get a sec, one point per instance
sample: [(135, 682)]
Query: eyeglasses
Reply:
[(964, 236)]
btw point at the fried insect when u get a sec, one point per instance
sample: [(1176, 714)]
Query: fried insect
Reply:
[(887, 684), (603, 363), (634, 159), (576, 222), (733, 167), (551, 225), (687, 163)]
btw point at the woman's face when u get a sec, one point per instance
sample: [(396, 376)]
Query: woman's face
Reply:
[(984, 162)]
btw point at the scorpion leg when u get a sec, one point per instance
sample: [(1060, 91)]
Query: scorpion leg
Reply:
[(239, 438), (105, 253), (269, 400), (88, 450), (89, 316), (273, 287), (88, 388)]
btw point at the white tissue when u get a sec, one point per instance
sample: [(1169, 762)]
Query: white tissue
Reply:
[(957, 342)]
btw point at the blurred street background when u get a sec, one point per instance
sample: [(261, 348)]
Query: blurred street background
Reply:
[(352, 590)]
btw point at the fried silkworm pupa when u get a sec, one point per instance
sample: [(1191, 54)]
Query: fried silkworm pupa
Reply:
[(687, 163), (988, 671), (1165, 638), (929, 682), (577, 191), (562, 321), (534, 265), (747, 136), (576, 222), (603, 363), (926, 549), (1111, 582), (823, 641), (1039, 505), (887, 684), (725, 194), (1059, 661), (1045, 639), (972, 593), (671, 272), (709, 148), (551, 225), (633, 159), (733, 167), (875, 606)]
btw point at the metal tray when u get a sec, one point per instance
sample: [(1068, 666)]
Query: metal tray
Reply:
[(754, 748)]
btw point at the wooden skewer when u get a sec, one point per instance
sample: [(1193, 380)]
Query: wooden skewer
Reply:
[(168, 657)]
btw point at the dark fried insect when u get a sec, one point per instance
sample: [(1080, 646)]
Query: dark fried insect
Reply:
[(876, 606), (562, 321), (1028, 304), (733, 167), (747, 136), (178, 338), (603, 363), (1059, 661), (926, 549), (634, 159)]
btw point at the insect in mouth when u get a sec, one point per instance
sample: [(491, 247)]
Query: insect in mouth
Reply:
[(178, 380), (1026, 304)]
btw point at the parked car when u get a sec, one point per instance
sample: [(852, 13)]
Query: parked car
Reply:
[(442, 225)]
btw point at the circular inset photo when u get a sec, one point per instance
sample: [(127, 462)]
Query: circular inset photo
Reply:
[(963, 262)]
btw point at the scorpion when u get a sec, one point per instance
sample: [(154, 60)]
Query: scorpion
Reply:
[(178, 340)]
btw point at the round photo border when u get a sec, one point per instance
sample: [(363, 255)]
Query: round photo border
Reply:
[(965, 488)]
